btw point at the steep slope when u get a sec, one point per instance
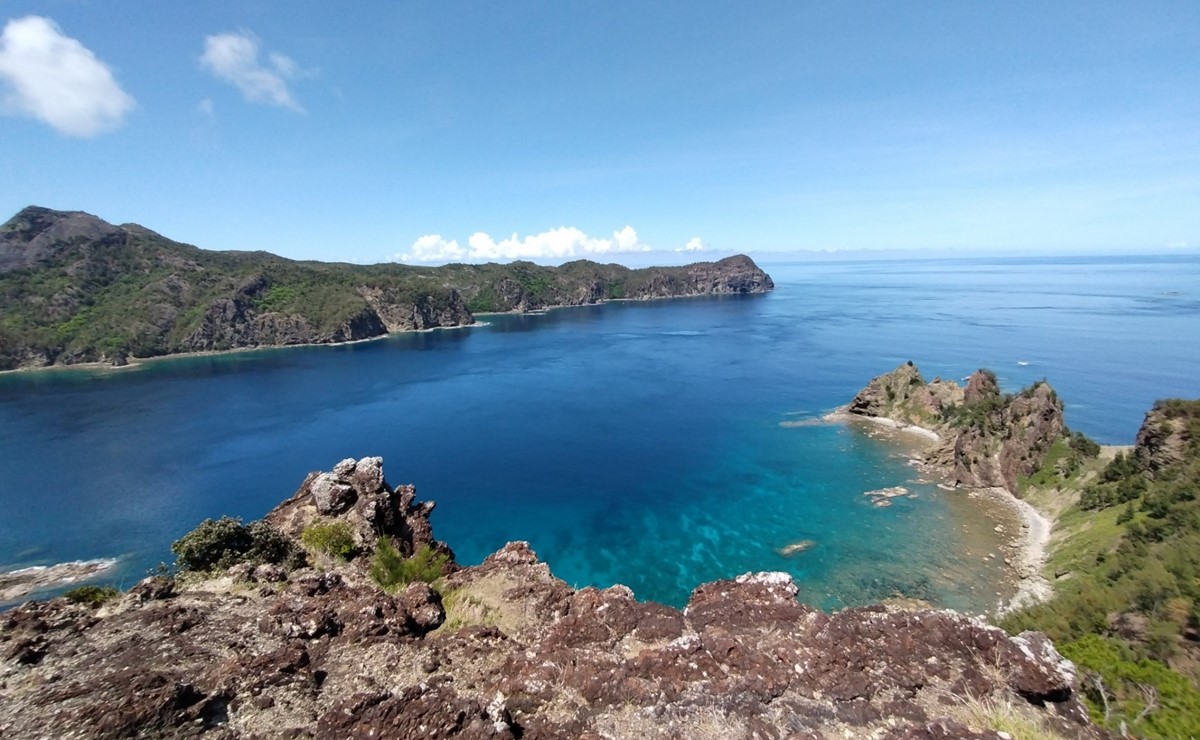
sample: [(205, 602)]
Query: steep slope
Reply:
[(74, 288), (1127, 607)]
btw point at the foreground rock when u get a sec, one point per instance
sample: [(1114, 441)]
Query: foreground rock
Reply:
[(502, 650)]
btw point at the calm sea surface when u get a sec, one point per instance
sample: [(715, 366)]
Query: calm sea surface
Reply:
[(634, 443)]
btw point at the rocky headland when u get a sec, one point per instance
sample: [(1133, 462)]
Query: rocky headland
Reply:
[(76, 289), (981, 440), (985, 438), (282, 629)]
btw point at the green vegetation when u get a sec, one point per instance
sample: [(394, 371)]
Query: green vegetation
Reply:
[(393, 571), (221, 543), (135, 293), (1129, 615), (93, 596), (330, 538)]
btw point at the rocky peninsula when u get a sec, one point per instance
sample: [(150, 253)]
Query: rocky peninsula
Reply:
[(76, 289), (980, 440), (281, 628)]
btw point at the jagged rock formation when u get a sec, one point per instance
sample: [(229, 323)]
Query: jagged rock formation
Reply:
[(502, 650), (987, 438), (1165, 436), (74, 288)]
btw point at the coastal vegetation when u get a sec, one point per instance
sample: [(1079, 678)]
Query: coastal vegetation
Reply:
[(1125, 551), (1126, 604), (225, 542), (75, 289), (391, 570), (333, 538), (92, 595)]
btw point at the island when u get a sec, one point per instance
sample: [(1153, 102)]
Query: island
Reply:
[(76, 289)]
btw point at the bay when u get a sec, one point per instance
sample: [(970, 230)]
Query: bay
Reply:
[(649, 444)]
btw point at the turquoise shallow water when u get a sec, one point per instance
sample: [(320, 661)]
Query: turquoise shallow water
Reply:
[(633, 443)]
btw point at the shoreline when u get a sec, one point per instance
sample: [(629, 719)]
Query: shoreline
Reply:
[(135, 362), (1031, 544), (840, 414), (17, 584)]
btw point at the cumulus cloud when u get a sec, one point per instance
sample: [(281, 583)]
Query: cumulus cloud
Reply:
[(234, 58), (694, 245), (556, 244), (57, 80)]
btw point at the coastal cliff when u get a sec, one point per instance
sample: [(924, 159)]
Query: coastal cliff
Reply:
[(986, 438), (281, 628), (76, 289)]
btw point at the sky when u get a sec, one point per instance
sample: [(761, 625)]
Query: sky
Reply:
[(666, 131)]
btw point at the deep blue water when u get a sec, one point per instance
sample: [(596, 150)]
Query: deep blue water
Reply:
[(638, 443)]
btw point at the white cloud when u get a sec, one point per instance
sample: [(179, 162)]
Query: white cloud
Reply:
[(233, 57), (57, 80), (1177, 245), (556, 244), (694, 245)]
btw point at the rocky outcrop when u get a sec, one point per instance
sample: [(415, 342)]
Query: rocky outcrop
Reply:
[(37, 235), (903, 396), (732, 275), (503, 650), (356, 493), (427, 311), (986, 438), (1169, 432)]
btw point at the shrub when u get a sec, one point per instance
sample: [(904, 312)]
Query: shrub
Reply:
[(333, 538), (224, 542), (93, 596), (391, 570)]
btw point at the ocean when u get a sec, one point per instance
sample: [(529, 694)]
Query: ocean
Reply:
[(652, 444)]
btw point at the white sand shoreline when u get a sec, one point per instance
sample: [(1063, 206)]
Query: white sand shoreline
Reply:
[(135, 362), (840, 414), (1031, 544)]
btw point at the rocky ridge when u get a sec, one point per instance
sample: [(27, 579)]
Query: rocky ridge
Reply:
[(986, 439), (75, 289), (501, 650)]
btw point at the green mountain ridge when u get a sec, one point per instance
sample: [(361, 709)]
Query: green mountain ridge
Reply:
[(76, 289)]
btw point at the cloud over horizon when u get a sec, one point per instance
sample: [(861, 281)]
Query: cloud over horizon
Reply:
[(57, 80), (234, 58), (565, 242)]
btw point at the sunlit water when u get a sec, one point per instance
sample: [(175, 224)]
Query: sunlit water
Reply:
[(638, 443)]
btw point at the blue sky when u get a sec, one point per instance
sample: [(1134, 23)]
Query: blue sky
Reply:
[(367, 131)]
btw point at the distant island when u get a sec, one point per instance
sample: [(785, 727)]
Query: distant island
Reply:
[(76, 289)]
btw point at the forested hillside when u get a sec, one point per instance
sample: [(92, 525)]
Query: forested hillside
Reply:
[(74, 288)]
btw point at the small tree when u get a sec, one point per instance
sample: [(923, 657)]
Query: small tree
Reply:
[(391, 570)]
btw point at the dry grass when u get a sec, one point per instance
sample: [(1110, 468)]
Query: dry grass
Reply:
[(1015, 717), (482, 602)]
